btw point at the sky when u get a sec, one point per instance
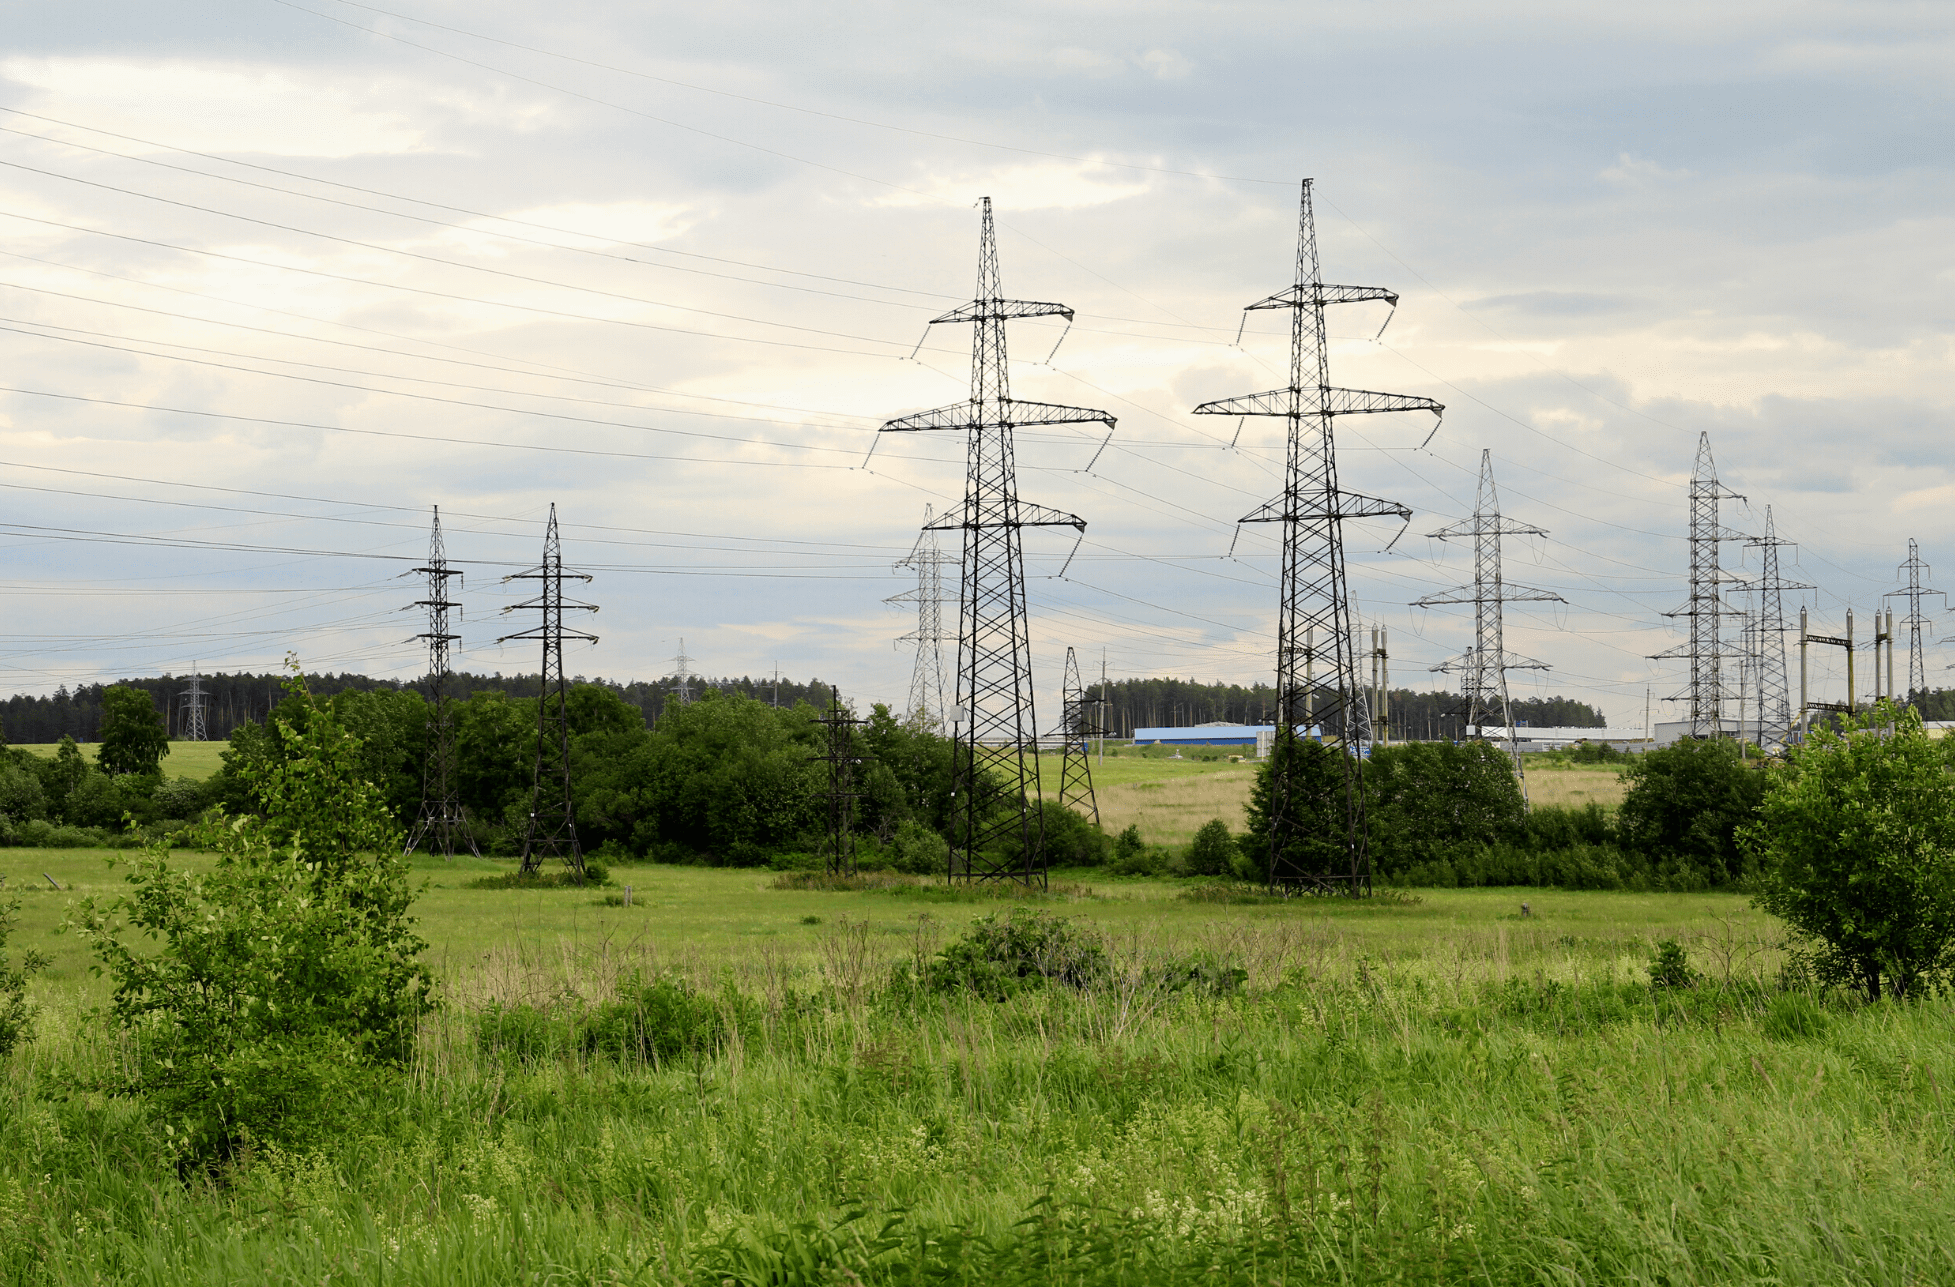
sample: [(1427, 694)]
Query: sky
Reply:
[(279, 276)]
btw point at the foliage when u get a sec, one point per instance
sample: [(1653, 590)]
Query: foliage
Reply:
[(659, 1022), (1686, 802), (1128, 846), (1670, 967), (1071, 839), (287, 975), (1213, 851), (21, 794), (917, 850), (133, 737), (1000, 957), (16, 1015), (1856, 838), (1429, 800), (1311, 835)]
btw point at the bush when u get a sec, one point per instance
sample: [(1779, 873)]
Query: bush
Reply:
[(1670, 967), (1214, 850), (917, 850), (654, 1023), (1686, 803), (1026, 949), (16, 1015), (1070, 839), (178, 798), (1128, 846), (286, 977), (1857, 839)]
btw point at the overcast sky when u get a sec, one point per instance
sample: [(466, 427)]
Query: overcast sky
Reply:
[(278, 277)]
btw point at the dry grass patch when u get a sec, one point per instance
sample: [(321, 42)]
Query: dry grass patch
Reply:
[(1572, 787), (1170, 811)]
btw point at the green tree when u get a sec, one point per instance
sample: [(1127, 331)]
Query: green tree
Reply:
[(1856, 844), (1214, 850), (1685, 804), (133, 737), (16, 1014), (1430, 800), (1312, 835), (288, 973)]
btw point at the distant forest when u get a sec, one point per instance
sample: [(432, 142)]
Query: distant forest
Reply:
[(1165, 703), (231, 700)]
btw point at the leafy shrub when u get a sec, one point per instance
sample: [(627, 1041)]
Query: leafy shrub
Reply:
[(1857, 839), (655, 1023), (1670, 967), (16, 1015), (286, 977), (1026, 949), (1128, 845), (523, 1033), (1070, 839), (180, 798), (595, 874), (1686, 802), (1214, 850), (918, 850), (22, 797)]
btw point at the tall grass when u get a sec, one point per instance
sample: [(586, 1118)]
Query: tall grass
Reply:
[(1494, 1105)]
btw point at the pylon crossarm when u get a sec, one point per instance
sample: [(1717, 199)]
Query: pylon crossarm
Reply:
[(992, 310), (1323, 293), (1310, 402)]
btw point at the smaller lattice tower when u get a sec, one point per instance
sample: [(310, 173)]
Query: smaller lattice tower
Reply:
[(841, 753), (552, 830), (1078, 725), (1483, 667), (1705, 609), (1771, 686), (926, 559), (441, 822), (196, 708), (682, 675), (1914, 593)]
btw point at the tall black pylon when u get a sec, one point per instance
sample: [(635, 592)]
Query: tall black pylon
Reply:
[(1705, 609), (441, 823), (1079, 723), (1314, 599), (552, 831), (999, 834), (841, 754), (1914, 593), (196, 708), (1483, 667)]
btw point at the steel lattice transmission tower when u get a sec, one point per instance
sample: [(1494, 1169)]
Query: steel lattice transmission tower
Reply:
[(1706, 607), (926, 559), (999, 835), (1314, 600), (1483, 667), (1917, 662), (196, 707), (552, 829), (681, 673), (1078, 723), (441, 822), (840, 754), (1772, 685)]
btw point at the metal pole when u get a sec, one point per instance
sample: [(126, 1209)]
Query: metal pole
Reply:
[(1890, 657), (1851, 696), (1385, 685), (1804, 726)]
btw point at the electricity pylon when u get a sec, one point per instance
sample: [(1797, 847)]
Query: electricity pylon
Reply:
[(1483, 667), (1314, 600), (1917, 664), (926, 559), (441, 822), (1706, 607), (681, 673), (840, 754), (999, 831), (552, 831), (1773, 685), (196, 703), (1078, 724)]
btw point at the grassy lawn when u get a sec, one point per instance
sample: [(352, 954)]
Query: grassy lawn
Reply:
[(1437, 1089), (705, 920), (194, 760)]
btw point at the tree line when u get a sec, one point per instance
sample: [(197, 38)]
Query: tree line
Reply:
[(1176, 703), (232, 700)]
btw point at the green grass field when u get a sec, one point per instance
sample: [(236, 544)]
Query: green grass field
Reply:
[(195, 760), (1436, 1091)]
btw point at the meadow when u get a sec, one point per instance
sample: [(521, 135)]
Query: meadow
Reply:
[(194, 760), (1440, 1087)]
